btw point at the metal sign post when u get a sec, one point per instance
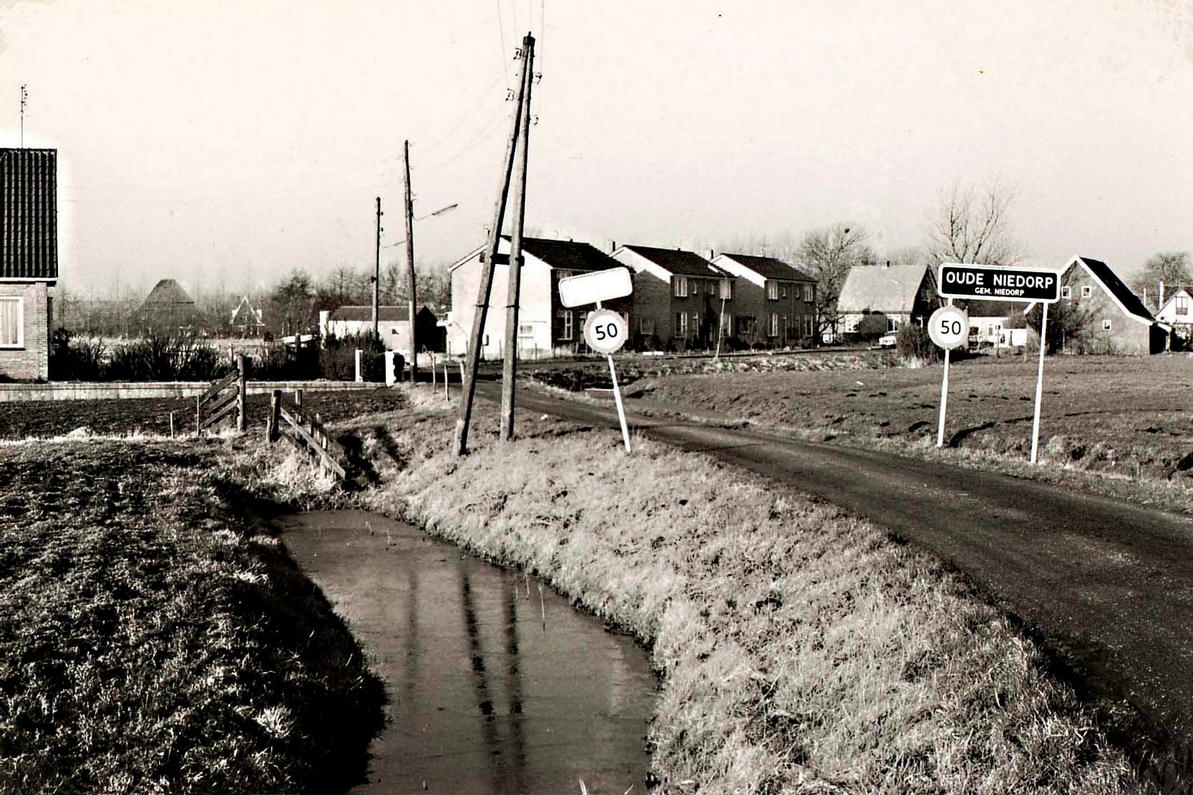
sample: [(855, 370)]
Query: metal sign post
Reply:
[(605, 331), (949, 328), (994, 283)]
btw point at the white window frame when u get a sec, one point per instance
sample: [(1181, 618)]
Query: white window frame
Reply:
[(1106, 325), (727, 324), (20, 343), (809, 296), (773, 331), (1066, 291), (727, 289), (1180, 305), (569, 329), (782, 290), (646, 325), (772, 291), (681, 287), (1086, 291), (682, 319)]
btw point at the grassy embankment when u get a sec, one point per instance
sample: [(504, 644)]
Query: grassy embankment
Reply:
[(156, 639), (799, 648)]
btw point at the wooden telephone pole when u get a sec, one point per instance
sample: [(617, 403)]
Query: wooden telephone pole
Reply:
[(489, 256), (410, 262), (377, 273)]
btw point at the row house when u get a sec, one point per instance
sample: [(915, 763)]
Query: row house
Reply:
[(775, 302), (28, 260)]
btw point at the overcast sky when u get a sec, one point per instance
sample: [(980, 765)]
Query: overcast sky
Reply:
[(230, 142)]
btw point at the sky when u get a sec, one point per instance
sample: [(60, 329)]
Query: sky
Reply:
[(226, 144)]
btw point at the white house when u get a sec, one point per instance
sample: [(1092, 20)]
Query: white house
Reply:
[(1178, 313)]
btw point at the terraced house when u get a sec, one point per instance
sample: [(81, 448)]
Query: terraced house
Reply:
[(775, 302), (28, 260), (681, 300)]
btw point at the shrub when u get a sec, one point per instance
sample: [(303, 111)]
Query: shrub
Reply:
[(337, 357), (913, 342), (165, 357), (79, 360), (285, 363)]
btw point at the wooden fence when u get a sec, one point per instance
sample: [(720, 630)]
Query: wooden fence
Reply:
[(305, 433), (224, 397)]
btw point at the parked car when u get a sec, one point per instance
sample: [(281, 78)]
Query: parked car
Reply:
[(887, 340)]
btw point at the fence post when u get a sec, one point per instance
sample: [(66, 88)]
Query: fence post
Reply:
[(275, 416), (298, 398), (197, 425), (360, 376), (242, 415)]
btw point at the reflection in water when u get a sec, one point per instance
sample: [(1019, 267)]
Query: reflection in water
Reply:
[(482, 700)]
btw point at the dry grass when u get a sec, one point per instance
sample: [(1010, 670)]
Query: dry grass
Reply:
[(154, 639), (800, 650)]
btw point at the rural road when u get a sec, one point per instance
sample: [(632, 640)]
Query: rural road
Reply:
[(1107, 584)]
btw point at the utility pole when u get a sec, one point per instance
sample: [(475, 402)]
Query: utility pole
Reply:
[(377, 273), (410, 263), (509, 372), (468, 392), (24, 98)]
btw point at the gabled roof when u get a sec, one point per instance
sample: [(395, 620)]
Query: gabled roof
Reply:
[(881, 288), (28, 214), (770, 268), (1127, 301), (677, 261), (1180, 292), (567, 255), (166, 292), (245, 304)]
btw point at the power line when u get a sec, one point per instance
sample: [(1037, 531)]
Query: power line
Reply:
[(504, 51)]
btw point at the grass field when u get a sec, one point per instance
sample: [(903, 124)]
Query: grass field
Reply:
[(156, 638), (799, 649)]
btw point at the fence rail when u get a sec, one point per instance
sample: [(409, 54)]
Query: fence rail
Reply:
[(305, 433), (222, 397)]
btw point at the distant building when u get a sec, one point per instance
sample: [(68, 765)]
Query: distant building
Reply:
[(1098, 313), (393, 324), (246, 320), (545, 327), (774, 301), (167, 309), (1177, 312), (680, 299), (876, 299), (28, 260)]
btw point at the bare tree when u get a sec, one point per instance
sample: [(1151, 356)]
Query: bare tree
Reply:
[(827, 254), (1170, 267), (971, 225)]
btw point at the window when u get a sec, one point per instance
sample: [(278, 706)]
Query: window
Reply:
[(12, 322), (646, 325), (524, 330), (727, 289), (681, 325), (786, 328), (695, 287), (727, 324), (807, 325), (1181, 305), (1086, 291), (772, 291), (1106, 324), (566, 328), (774, 324), (809, 294), (892, 324), (1066, 291), (681, 286)]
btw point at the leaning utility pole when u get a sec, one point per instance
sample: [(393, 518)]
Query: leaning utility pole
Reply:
[(489, 256), (24, 98), (509, 370), (410, 263), (377, 274)]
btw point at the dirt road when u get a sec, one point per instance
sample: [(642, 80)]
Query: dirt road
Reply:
[(1107, 585)]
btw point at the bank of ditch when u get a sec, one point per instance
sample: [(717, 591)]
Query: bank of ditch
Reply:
[(799, 648), (155, 636)]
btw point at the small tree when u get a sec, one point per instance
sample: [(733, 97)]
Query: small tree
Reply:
[(828, 254), (293, 301), (971, 225), (1170, 267), (913, 343)]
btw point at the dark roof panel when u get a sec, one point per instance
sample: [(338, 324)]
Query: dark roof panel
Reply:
[(678, 261), (385, 314), (1128, 299), (568, 255), (771, 268), (28, 214), (167, 291)]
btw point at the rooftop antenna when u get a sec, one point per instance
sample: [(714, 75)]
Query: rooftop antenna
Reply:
[(24, 98)]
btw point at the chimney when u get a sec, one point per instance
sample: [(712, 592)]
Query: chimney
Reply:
[(711, 254), (612, 246), (1160, 300), (888, 264)]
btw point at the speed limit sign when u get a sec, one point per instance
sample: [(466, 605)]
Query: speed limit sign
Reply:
[(605, 331), (949, 327)]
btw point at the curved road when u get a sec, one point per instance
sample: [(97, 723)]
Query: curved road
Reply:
[(1107, 584)]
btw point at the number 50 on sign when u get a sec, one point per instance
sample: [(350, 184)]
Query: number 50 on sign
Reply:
[(605, 331)]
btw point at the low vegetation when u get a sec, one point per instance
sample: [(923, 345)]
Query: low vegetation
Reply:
[(156, 638), (799, 649)]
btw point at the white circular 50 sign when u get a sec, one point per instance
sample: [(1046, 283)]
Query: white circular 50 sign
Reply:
[(605, 331), (949, 327)]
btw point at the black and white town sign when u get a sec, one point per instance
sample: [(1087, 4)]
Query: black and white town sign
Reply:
[(991, 283)]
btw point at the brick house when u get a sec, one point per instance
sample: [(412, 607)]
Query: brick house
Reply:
[(1098, 313), (775, 302), (681, 300), (545, 327), (28, 260), (876, 299)]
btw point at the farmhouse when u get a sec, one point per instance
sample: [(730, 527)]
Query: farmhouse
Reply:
[(876, 299), (545, 327), (167, 309), (28, 260), (393, 324), (775, 302), (681, 300), (247, 320), (1097, 313)]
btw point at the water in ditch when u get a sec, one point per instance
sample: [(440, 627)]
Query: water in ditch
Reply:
[(494, 685)]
